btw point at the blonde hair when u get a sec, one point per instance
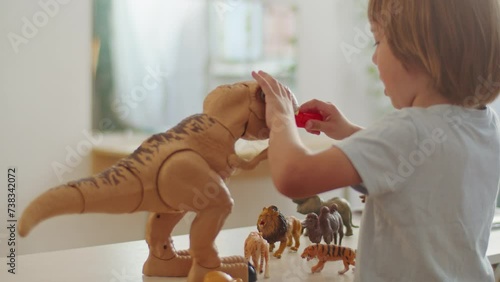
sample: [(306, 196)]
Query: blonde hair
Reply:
[(457, 42)]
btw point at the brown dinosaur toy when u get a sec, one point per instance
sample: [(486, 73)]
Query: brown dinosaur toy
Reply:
[(169, 174)]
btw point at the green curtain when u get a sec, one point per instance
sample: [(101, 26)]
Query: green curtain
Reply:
[(103, 118)]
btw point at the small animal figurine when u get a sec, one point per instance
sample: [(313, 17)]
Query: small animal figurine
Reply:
[(344, 209), (330, 224), (294, 231), (314, 204), (257, 248), (326, 253), (311, 225), (275, 227)]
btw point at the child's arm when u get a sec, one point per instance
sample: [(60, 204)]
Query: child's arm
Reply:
[(295, 171), (298, 173)]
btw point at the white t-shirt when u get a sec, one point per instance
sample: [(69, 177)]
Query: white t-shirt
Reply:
[(432, 176)]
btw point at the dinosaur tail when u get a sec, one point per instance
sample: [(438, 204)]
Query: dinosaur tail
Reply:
[(116, 190)]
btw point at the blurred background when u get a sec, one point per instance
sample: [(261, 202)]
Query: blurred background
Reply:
[(84, 82)]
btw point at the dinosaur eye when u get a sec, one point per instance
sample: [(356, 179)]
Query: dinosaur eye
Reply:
[(262, 95)]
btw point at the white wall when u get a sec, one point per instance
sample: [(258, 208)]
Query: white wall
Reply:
[(325, 72), (46, 111), (45, 90)]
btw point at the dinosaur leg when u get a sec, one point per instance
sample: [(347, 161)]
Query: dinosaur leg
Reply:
[(204, 230), (163, 259), (187, 183)]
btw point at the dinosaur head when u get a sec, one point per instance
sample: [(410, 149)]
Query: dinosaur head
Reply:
[(241, 108)]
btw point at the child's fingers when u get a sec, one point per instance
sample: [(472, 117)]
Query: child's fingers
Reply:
[(315, 125), (268, 84), (271, 83), (327, 110), (315, 132), (314, 106), (272, 86)]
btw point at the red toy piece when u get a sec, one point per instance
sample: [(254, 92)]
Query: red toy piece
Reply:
[(301, 118)]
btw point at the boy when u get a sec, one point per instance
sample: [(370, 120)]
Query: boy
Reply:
[(431, 169)]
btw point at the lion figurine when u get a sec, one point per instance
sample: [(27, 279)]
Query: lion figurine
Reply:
[(275, 227)]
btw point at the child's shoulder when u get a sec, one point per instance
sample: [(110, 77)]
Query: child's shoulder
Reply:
[(439, 120), (448, 114)]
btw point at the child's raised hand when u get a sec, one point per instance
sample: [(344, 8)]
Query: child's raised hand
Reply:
[(334, 124), (280, 101)]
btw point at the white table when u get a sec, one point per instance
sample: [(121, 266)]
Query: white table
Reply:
[(123, 262)]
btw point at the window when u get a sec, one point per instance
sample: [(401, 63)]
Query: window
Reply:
[(156, 60), (250, 35)]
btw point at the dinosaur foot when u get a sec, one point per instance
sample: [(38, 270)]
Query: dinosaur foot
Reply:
[(179, 265), (229, 259), (243, 271)]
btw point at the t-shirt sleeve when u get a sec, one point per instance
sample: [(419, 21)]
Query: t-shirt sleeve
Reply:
[(380, 153)]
